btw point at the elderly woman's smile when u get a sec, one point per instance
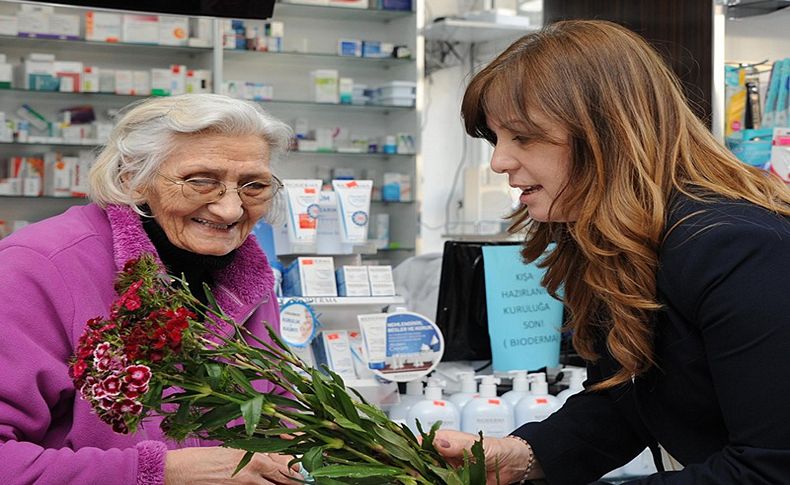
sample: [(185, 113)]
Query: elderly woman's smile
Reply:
[(210, 223)]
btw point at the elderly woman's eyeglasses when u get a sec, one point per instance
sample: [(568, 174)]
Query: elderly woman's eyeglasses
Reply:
[(206, 190)]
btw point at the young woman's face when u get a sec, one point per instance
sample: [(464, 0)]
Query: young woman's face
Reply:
[(218, 227), (539, 169)]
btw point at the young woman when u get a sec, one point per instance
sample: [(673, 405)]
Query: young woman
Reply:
[(674, 258)]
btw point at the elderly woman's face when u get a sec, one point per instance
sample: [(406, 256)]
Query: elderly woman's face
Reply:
[(219, 227)]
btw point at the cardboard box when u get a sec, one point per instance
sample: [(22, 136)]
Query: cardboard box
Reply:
[(141, 29), (353, 281), (310, 276), (173, 30), (103, 26), (331, 348), (381, 282)]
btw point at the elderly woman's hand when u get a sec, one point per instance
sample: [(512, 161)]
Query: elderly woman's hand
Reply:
[(213, 465), (510, 456)]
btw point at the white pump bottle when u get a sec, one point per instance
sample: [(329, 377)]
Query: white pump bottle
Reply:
[(578, 376), (468, 390), (487, 413), (432, 409), (539, 404), (520, 388), (399, 412)]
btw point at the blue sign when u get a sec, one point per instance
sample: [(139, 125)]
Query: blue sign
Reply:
[(524, 321)]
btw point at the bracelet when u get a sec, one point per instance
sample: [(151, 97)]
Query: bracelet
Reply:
[(530, 463)]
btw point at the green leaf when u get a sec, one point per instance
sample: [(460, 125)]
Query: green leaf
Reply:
[(341, 420), (219, 416), (239, 378), (251, 412), (214, 372), (313, 459), (346, 405), (477, 471), (260, 445), (244, 460), (356, 471)]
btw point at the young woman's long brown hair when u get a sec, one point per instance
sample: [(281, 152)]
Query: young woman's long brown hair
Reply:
[(634, 142)]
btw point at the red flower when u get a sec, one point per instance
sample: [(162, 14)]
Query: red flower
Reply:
[(101, 350), (119, 426), (78, 368), (127, 406), (103, 365), (111, 385), (137, 375), (132, 302), (98, 391), (128, 267)]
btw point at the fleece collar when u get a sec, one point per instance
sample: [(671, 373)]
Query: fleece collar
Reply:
[(243, 285)]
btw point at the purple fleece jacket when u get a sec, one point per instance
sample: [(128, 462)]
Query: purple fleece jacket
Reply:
[(54, 276)]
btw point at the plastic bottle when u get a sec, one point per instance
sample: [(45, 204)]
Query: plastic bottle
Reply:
[(487, 413), (539, 404), (520, 388), (578, 376), (399, 412), (468, 390), (432, 409)]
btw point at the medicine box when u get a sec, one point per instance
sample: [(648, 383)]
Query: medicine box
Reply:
[(331, 348), (381, 282), (353, 281), (310, 276)]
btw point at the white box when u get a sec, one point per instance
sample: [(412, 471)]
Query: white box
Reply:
[(124, 82), (57, 174), (141, 83), (173, 30), (70, 74), (381, 282), (198, 81), (178, 79), (349, 3), (107, 80), (103, 26), (325, 85), (65, 26), (201, 32), (37, 65), (161, 82), (142, 29), (79, 174), (8, 25), (310, 276), (90, 79), (331, 348), (33, 22), (353, 281)]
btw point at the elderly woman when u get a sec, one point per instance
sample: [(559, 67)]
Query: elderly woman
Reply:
[(185, 178)]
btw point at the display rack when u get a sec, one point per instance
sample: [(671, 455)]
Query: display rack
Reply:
[(287, 71)]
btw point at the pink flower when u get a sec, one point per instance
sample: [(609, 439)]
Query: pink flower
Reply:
[(111, 385), (127, 406), (137, 375), (101, 350), (98, 391)]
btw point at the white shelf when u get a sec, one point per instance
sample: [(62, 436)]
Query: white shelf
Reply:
[(345, 301), (468, 31), (336, 13)]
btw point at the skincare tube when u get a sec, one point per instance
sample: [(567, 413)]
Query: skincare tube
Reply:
[(353, 204), (374, 332), (303, 209)]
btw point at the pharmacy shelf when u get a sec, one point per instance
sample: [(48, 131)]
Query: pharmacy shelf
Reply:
[(345, 301), (69, 200), (301, 57), (47, 143), (337, 106), (392, 202), (123, 98), (47, 44), (297, 153), (336, 13), (470, 32)]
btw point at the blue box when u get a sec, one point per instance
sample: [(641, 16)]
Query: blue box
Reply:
[(396, 5)]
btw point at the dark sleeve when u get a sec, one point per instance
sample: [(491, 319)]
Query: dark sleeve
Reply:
[(592, 434), (735, 276)]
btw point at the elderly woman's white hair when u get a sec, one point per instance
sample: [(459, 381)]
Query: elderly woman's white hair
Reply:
[(145, 135)]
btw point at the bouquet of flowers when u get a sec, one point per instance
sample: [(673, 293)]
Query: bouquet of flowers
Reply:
[(160, 351)]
